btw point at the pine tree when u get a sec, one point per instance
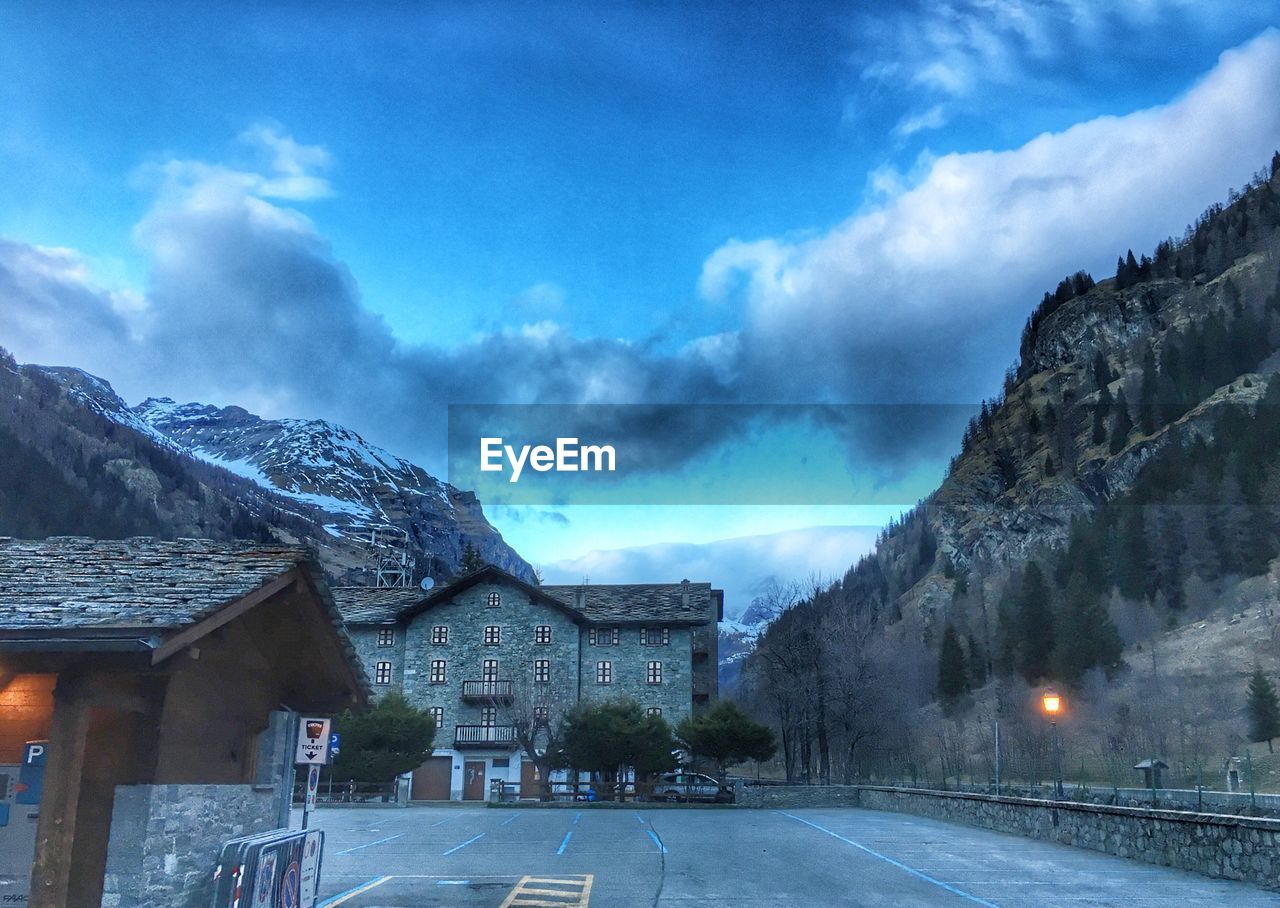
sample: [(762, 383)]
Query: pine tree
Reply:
[(953, 674), (977, 664), (1101, 371), (1035, 624), (1088, 638), (1099, 425), (1121, 424), (1148, 396), (1263, 708), (472, 560)]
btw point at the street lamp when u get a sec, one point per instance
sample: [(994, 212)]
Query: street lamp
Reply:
[(1051, 702)]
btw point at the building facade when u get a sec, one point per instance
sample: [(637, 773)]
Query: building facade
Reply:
[(488, 652)]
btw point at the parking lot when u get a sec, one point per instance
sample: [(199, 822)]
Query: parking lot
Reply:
[(619, 858)]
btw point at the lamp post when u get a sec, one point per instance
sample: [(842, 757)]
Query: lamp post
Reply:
[(1051, 702)]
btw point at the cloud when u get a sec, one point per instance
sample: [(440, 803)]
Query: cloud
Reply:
[(909, 296), (905, 300), (933, 118), (542, 298), (741, 566)]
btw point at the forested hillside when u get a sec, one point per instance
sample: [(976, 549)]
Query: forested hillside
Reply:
[(1115, 500)]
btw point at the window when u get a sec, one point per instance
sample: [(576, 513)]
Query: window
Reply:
[(387, 637), (604, 673), (489, 671), (655, 673), (542, 670), (542, 633), (382, 673), (437, 671), (492, 635), (501, 762), (653, 711), (489, 715), (541, 715), (603, 636), (494, 599), (440, 635), (437, 715), (655, 636)]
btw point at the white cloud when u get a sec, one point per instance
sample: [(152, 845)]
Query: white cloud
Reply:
[(741, 566), (933, 118), (918, 286), (543, 297)]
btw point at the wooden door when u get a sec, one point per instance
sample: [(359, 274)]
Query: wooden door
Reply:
[(431, 779), (473, 780), (530, 782)]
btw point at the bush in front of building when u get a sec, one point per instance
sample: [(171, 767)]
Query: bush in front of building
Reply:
[(615, 735), (381, 743), (726, 735)]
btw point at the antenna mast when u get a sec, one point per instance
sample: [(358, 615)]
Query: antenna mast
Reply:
[(388, 558)]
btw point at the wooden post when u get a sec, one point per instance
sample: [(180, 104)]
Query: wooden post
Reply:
[(51, 873)]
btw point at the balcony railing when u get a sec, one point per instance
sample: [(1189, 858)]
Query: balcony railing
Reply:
[(484, 736), (486, 690)]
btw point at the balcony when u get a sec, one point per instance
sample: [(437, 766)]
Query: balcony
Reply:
[(475, 736), (487, 691)]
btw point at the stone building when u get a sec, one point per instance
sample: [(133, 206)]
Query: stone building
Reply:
[(489, 647), (158, 678)]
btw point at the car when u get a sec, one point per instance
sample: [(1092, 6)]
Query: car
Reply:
[(690, 786)]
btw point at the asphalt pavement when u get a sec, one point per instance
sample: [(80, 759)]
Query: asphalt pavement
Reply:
[(622, 858)]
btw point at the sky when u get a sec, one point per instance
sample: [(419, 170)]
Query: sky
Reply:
[(370, 213)]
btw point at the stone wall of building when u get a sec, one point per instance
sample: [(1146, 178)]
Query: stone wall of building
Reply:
[(1236, 848), (165, 840), (466, 616), (630, 659), (365, 640)]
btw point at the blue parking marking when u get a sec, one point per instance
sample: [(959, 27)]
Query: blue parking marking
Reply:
[(463, 845), (657, 841), (369, 844), (565, 844)]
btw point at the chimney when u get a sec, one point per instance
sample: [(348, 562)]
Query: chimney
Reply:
[(580, 598), (684, 592)]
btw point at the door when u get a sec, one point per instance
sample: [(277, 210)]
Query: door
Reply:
[(473, 781), (530, 781), (431, 779)]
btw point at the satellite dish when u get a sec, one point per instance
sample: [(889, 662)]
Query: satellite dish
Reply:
[(427, 583)]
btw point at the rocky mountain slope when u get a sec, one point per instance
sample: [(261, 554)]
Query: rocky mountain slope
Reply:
[(195, 470)]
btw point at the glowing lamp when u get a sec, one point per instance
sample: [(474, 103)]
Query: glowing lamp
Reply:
[(1051, 702)]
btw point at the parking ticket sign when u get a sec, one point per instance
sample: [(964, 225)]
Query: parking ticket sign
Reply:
[(313, 741)]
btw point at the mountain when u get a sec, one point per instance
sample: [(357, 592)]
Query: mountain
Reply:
[(1119, 492), (194, 470)]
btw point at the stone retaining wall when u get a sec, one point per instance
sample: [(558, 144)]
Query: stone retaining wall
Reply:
[(1235, 848)]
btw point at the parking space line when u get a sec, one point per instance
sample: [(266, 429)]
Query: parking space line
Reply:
[(565, 844), (662, 849), (369, 844), (889, 860), (510, 819), (463, 845), (352, 893), (576, 818)]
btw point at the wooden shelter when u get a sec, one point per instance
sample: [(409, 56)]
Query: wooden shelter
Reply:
[(147, 662)]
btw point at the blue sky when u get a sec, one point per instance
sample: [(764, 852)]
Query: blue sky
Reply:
[(616, 203)]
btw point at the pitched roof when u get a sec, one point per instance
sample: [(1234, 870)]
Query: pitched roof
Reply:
[(375, 605), (636, 603), (73, 582), (632, 603)]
